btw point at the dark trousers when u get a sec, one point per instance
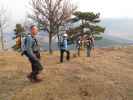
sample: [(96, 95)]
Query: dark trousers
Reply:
[(62, 55), (35, 64), (89, 48), (79, 51)]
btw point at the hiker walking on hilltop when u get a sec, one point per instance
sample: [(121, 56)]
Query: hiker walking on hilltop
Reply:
[(79, 44), (89, 45), (64, 48), (33, 53)]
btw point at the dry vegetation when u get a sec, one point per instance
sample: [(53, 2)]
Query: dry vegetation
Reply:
[(107, 75)]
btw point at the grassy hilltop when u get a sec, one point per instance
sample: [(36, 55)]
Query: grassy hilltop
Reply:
[(107, 75)]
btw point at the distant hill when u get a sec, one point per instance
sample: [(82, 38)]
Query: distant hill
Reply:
[(122, 28), (110, 41), (118, 32), (106, 41)]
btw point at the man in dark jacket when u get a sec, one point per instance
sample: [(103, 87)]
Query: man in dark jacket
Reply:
[(33, 53)]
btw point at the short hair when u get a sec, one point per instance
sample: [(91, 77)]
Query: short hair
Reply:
[(32, 26)]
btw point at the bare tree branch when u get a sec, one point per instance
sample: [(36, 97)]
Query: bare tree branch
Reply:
[(51, 13)]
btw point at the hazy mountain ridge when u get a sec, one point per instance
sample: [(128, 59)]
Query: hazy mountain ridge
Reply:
[(122, 28), (118, 31)]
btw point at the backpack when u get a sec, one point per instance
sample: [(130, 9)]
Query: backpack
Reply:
[(61, 43), (90, 42), (20, 42), (23, 44)]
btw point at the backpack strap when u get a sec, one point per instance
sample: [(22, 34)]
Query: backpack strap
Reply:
[(36, 42)]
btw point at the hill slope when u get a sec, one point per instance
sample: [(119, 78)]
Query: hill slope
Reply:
[(107, 75)]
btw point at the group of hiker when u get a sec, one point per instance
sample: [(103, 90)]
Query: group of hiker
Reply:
[(86, 41), (32, 52)]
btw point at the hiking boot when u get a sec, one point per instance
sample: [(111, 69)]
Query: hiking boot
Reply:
[(37, 79), (30, 77)]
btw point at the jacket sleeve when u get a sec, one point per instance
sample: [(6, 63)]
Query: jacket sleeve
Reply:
[(29, 50)]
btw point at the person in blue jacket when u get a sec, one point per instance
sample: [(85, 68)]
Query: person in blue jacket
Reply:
[(32, 52), (64, 48)]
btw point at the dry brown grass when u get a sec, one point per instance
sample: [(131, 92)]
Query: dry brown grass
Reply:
[(107, 75)]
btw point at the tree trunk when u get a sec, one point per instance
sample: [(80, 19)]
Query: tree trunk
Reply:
[(2, 40), (58, 36), (50, 43)]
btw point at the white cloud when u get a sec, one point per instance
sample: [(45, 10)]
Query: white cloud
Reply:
[(108, 8)]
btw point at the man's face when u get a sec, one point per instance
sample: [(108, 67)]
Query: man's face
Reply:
[(34, 30)]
